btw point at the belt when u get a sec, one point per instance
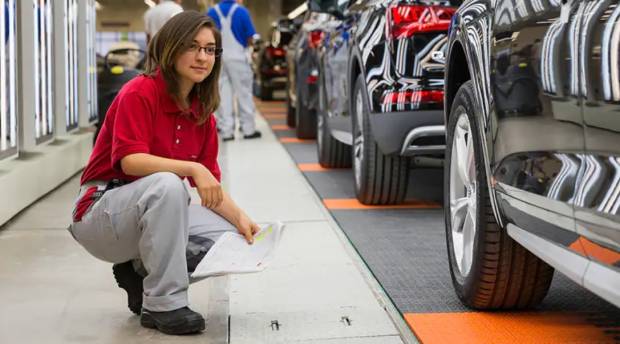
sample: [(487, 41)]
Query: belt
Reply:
[(102, 185)]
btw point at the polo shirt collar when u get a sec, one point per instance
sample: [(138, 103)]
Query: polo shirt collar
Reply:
[(168, 103)]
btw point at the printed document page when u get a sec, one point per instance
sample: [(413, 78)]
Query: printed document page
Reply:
[(231, 254)]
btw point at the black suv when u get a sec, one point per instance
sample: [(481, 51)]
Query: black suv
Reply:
[(381, 91), (532, 172)]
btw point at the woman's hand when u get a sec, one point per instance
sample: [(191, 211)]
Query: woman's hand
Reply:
[(209, 189), (247, 228)]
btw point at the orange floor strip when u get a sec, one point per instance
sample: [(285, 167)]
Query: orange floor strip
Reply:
[(312, 168), (294, 140), (522, 328), (280, 127), (267, 116), (354, 204), (273, 111)]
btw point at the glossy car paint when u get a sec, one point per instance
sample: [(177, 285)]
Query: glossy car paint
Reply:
[(393, 69), (302, 61), (546, 80)]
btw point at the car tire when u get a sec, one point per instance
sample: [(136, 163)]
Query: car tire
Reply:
[(379, 178), (266, 93), (331, 152), (489, 269), (305, 120), (290, 110)]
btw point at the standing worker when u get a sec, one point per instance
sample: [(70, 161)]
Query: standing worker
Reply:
[(156, 16), (237, 29)]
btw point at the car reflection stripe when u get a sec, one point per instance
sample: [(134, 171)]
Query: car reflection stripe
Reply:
[(593, 13), (595, 251), (353, 203), (612, 197), (609, 57), (515, 327)]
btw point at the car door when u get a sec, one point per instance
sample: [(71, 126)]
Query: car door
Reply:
[(537, 128), (334, 65), (597, 199)]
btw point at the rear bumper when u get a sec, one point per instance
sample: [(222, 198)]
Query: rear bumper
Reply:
[(395, 132), (278, 83)]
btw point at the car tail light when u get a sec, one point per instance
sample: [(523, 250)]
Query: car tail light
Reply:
[(275, 52), (314, 38), (313, 77), (407, 20), (419, 96)]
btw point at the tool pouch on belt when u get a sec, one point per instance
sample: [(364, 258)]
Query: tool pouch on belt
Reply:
[(91, 196)]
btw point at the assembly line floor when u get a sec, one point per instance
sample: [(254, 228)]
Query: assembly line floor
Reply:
[(316, 291), (344, 273), (404, 247)]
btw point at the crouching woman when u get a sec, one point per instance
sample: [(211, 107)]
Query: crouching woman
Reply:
[(133, 207)]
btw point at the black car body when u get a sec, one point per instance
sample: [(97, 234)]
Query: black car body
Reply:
[(271, 68), (303, 62), (533, 149), (382, 92)]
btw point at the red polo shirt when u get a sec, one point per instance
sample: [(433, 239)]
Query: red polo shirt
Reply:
[(143, 118)]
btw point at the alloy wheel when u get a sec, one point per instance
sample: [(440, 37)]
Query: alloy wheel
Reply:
[(358, 139), (463, 195)]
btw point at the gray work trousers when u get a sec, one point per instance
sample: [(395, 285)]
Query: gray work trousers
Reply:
[(151, 221), (236, 81)]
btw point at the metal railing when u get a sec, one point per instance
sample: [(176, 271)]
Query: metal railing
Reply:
[(43, 71), (71, 56), (91, 29), (8, 99)]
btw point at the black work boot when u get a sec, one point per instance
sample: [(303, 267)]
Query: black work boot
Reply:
[(255, 135), (128, 279), (178, 321)]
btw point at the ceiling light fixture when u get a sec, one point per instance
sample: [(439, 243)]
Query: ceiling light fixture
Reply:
[(299, 10)]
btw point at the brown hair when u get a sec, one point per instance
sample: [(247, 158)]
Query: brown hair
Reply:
[(172, 40)]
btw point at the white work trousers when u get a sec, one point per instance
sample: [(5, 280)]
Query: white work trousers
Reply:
[(236, 84), (151, 221)]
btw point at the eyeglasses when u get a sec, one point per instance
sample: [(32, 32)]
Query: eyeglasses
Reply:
[(209, 50)]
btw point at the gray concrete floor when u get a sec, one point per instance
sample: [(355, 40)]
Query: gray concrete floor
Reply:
[(52, 291)]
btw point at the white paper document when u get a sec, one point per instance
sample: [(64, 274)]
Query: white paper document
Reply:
[(231, 254)]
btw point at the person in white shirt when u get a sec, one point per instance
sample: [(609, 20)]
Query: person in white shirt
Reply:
[(156, 16)]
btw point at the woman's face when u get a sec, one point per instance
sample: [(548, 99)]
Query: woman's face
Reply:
[(194, 65)]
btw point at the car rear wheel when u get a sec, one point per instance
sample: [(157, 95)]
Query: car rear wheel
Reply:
[(379, 178), (331, 152), (305, 120), (489, 269), (266, 93), (290, 110)]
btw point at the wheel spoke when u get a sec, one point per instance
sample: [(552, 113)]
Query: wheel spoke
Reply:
[(469, 231), (470, 167), (459, 210), (461, 153)]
